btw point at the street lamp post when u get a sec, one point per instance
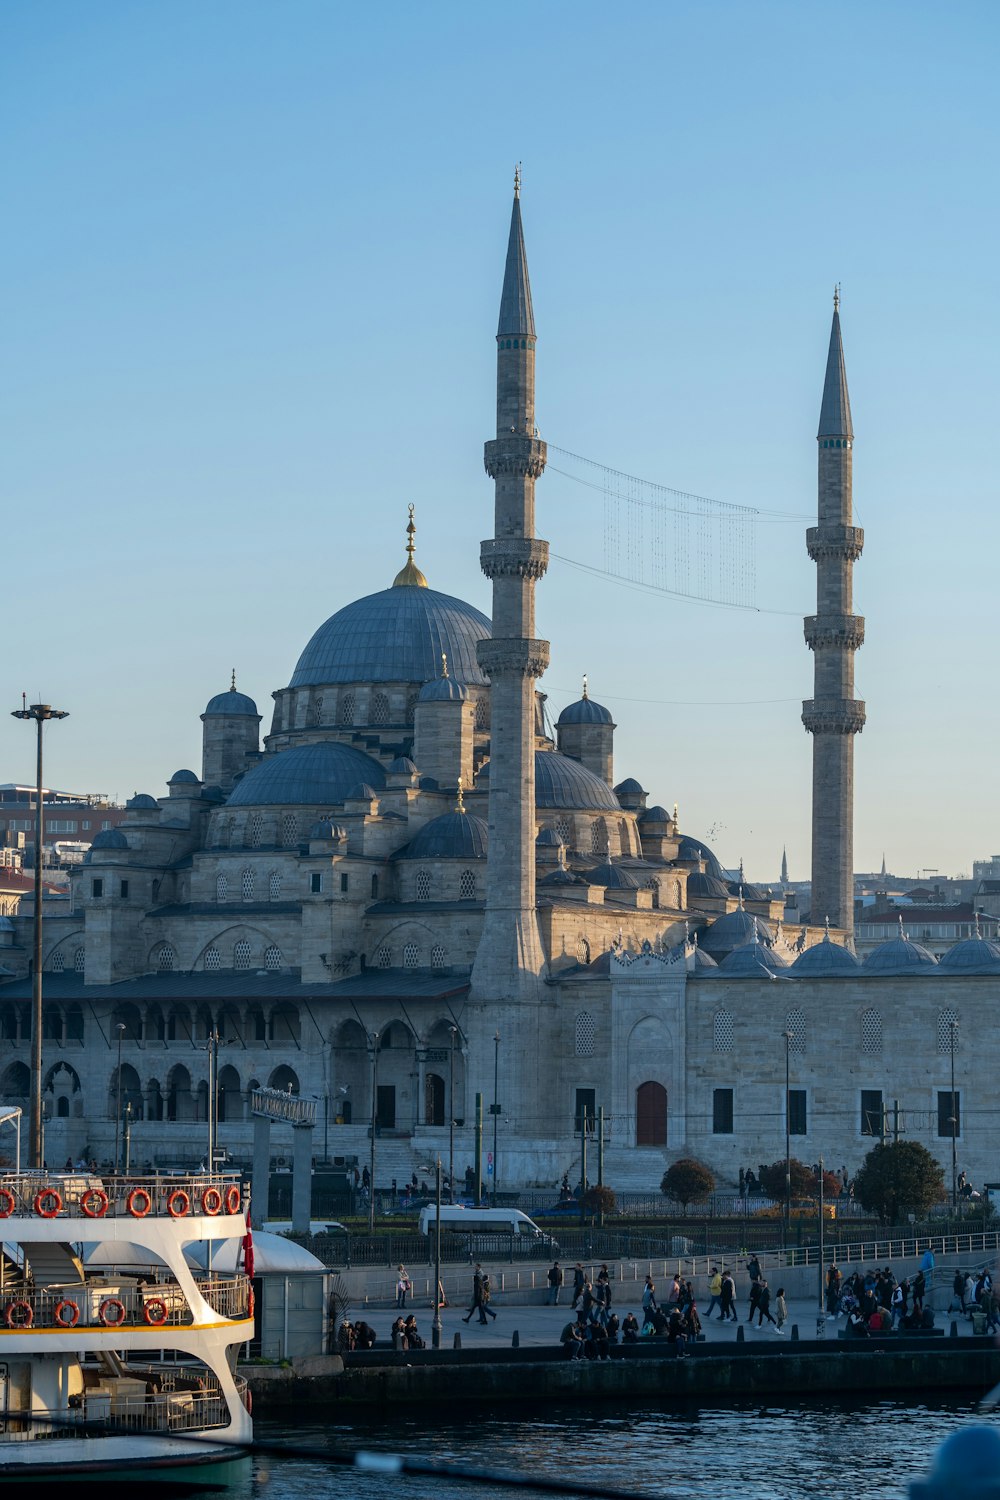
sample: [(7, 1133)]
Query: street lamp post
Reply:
[(451, 1117), (953, 1028), (118, 1100), (374, 1123), (436, 1325), (40, 713), (788, 1134), (496, 1107)]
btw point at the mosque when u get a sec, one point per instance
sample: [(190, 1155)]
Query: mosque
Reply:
[(411, 895)]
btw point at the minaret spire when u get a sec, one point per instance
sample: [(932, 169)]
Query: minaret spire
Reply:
[(510, 958), (833, 716)]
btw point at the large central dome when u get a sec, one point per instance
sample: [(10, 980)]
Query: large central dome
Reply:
[(397, 635)]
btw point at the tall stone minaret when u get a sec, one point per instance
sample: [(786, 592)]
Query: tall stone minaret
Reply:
[(833, 716), (510, 959)]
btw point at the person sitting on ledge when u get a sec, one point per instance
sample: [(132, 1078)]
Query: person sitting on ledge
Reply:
[(413, 1339), (346, 1338), (677, 1333), (398, 1334), (630, 1329), (364, 1336), (597, 1342), (611, 1328), (571, 1339), (856, 1326)]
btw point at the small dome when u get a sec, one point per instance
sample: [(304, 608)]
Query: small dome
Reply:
[(561, 876), (548, 838), (654, 814), (232, 704), (898, 956), (753, 961), (585, 711), (110, 838), (700, 884), (403, 766), (320, 774), (702, 960), (362, 792), (690, 850), (825, 960), (630, 794), (143, 800), (454, 835), (749, 892), (187, 777), (975, 955), (443, 690), (324, 829), (734, 930), (613, 876)]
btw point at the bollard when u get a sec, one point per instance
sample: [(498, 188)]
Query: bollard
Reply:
[(515, 1340), (435, 1337), (458, 1340), (739, 1335), (821, 1327), (795, 1330), (954, 1330)]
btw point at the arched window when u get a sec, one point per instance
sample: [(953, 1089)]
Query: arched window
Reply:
[(947, 1025), (213, 958), (380, 709), (564, 830), (274, 886), (246, 885), (586, 1034), (411, 956), (289, 831), (467, 885), (79, 959), (241, 954), (596, 837), (165, 958), (483, 714), (253, 831), (221, 888), (623, 835), (383, 958), (654, 886), (871, 1031), (285, 1079), (58, 962), (272, 959), (316, 710), (795, 1025), (423, 886), (347, 709), (439, 956), (722, 1031)]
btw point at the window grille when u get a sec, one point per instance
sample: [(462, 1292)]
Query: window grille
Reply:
[(723, 1037), (58, 962), (241, 955), (946, 1020), (586, 1034), (564, 830), (79, 958), (380, 709), (795, 1025), (411, 956), (221, 888), (213, 958), (289, 831), (254, 831), (347, 709), (274, 885), (423, 886), (467, 885), (871, 1031), (165, 959), (272, 959), (439, 957), (246, 885), (383, 959)]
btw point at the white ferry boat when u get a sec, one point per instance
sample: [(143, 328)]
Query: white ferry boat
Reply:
[(117, 1356)]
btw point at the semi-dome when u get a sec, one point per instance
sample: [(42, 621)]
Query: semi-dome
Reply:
[(703, 884), (613, 876), (825, 960), (362, 791), (443, 690), (753, 961), (232, 705), (975, 955), (565, 783), (403, 766), (548, 838), (749, 892), (585, 711), (454, 835), (397, 635), (306, 775), (899, 956), (143, 801), (734, 930), (702, 961), (654, 814), (325, 829), (110, 838), (185, 776), (561, 876), (690, 850)]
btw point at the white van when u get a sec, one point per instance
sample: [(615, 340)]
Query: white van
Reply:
[(502, 1223)]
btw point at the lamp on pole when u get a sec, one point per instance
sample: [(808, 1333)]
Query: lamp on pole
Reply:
[(788, 1133), (40, 713), (374, 1125), (118, 1101), (496, 1107), (451, 1116), (953, 1028), (436, 1325)]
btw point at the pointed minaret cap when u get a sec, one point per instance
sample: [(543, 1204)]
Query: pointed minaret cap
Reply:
[(516, 316), (835, 412)]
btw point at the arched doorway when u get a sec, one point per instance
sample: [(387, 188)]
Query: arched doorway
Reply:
[(434, 1095), (230, 1103), (651, 1115)]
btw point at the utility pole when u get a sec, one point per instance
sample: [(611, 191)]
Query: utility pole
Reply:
[(374, 1128), (788, 1141), (479, 1149), (583, 1161)]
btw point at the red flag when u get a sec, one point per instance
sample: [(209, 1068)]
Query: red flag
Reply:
[(248, 1250)]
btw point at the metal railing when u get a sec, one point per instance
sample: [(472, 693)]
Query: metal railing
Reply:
[(70, 1195), (120, 1301), (169, 1403)]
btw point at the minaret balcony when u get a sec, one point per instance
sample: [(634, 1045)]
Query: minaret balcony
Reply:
[(834, 632), (523, 658), (835, 541), (833, 715), (515, 453), (514, 557)]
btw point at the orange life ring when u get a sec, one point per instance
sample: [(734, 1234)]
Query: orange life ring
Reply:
[(67, 1305), (155, 1312), (178, 1204), (20, 1306), (105, 1308), (47, 1195), (132, 1202), (251, 1303), (8, 1201), (232, 1198), (211, 1194), (248, 1401), (94, 1203)]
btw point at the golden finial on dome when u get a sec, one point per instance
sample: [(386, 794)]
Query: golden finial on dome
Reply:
[(410, 575), (460, 805), (444, 663), (585, 686), (232, 682)]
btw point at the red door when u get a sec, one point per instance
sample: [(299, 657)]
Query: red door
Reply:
[(651, 1115)]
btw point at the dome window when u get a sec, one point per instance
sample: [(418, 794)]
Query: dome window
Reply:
[(79, 959), (58, 962), (947, 1021), (596, 844), (289, 831), (564, 829), (411, 956), (165, 959), (467, 885), (482, 714), (272, 959), (439, 957), (241, 954), (723, 1031), (586, 1034), (423, 886), (221, 888), (347, 709), (246, 885), (383, 958), (253, 832), (380, 709), (213, 959), (871, 1032), (274, 886)]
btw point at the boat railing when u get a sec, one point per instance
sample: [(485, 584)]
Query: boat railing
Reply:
[(144, 1400), (121, 1301), (81, 1195)]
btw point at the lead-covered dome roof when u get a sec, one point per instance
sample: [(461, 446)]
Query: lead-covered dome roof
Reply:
[(753, 961), (231, 704), (690, 850), (703, 884), (734, 930), (825, 960), (397, 635), (612, 876), (563, 782), (454, 835), (110, 838), (585, 711), (975, 955), (899, 956), (307, 775)]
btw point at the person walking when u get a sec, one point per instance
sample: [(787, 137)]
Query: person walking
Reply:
[(754, 1298), (781, 1308), (764, 1304), (715, 1285), (649, 1298), (555, 1283), (478, 1303), (727, 1298), (579, 1281)]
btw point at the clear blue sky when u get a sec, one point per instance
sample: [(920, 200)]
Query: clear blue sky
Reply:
[(250, 270)]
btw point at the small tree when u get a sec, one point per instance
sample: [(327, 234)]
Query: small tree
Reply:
[(772, 1180), (902, 1178), (599, 1201), (688, 1181)]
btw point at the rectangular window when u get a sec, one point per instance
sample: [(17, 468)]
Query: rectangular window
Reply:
[(722, 1112), (123, 890), (85, 824), (105, 826), (97, 889), (385, 1117), (586, 1101), (316, 882), (797, 1116), (946, 1126), (871, 1112), (343, 882)]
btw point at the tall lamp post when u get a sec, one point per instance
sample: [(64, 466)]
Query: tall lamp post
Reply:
[(953, 1028), (374, 1125), (118, 1101), (496, 1107), (40, 713), (451, 1116), (788, 1134)]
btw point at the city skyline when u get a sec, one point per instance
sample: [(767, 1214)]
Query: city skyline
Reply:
[(226, 286)]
